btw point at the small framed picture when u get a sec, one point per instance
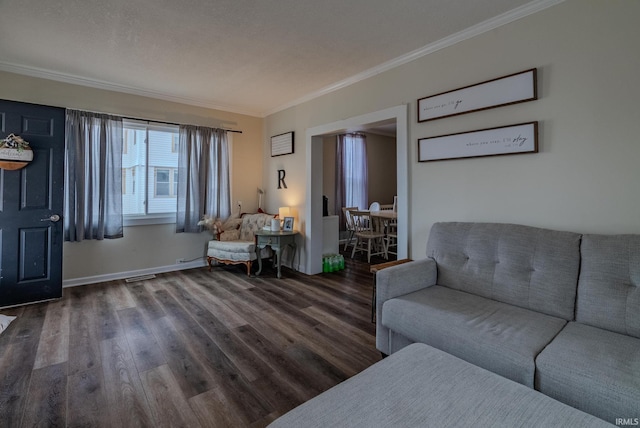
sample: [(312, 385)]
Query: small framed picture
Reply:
[(282, 144), (288, 224)]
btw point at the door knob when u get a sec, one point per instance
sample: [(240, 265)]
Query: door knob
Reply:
[(54, 218)]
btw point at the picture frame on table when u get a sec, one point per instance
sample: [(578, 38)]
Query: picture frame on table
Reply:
[(288, 224)]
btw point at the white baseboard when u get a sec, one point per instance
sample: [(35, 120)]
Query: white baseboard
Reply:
[(122, 275)]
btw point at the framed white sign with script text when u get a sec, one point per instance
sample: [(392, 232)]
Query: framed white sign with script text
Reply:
[(511, 89), (504, 140)]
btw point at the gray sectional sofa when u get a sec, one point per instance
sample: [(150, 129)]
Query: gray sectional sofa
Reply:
[(555, 311), (420, 386)]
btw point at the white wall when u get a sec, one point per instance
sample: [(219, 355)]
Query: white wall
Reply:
[(144, 248), (329, 172), (585, 177), (381, 165)]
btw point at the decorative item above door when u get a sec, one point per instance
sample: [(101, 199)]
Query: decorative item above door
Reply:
[(15, 153)]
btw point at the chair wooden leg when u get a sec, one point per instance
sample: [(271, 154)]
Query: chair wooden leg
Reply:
[(209, 262), (348, 240), (248, 268), (384, 249)]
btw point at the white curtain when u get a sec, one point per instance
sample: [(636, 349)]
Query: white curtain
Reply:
[(352, 182), (93, 176), (203, 176)]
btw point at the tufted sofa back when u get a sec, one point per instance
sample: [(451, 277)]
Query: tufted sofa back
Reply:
[(609, 286), (524, 266), (252, 223)]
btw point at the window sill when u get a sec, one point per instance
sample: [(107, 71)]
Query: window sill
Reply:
[(146, 220)]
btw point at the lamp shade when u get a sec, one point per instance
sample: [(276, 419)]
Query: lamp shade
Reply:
[(284, 212)]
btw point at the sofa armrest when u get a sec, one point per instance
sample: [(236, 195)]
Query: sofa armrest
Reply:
[(405, 278), (396, 281)]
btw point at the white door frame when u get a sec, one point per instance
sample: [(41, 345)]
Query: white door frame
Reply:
[(313, 208)]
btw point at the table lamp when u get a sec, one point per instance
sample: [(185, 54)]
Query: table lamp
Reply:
[(283, 212)]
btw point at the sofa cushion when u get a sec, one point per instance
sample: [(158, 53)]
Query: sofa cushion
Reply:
[(525, 266), (594, 370), (423, 387), (236, 250), (502, 338), (609, 285), (232, 246)]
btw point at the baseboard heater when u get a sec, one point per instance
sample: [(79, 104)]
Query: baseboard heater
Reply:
[(139, 278)]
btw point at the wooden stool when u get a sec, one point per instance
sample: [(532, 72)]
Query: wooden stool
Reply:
[(374, 270)]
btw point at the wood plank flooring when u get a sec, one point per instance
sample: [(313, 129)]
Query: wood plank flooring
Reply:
[(191, 348)]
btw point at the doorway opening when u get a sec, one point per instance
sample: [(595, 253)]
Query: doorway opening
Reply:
[(314, 140)]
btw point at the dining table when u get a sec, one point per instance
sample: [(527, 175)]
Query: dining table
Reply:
[(385, 214)]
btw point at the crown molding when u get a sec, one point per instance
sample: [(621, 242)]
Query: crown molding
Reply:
[(488, 25), (483, 27), (100, 84)]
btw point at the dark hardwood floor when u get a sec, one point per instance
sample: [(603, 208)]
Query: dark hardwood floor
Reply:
[(190, 348)]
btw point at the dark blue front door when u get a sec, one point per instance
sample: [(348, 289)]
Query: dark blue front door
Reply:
[(31, 204)]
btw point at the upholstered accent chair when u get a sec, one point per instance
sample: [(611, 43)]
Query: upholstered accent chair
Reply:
[(235, 244)]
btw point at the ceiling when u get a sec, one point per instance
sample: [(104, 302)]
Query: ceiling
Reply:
[(245, 56)]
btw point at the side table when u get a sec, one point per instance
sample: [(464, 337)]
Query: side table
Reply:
[(374, 270), (277, 241)]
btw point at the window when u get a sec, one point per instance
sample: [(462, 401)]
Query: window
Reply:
[(166, 182), (150, 172), (162, 182), (354, 169), (174, 183), (174, 143)]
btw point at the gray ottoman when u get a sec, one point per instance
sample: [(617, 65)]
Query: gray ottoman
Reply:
[(420, 386)]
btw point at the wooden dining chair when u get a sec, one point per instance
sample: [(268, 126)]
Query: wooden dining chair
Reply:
[(391, 237), (369, 235), (349, 224)]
